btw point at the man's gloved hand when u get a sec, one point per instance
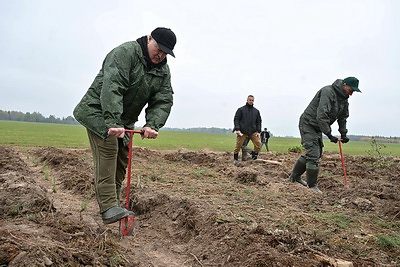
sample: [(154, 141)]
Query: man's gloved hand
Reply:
[(333, 139), (345, 139)]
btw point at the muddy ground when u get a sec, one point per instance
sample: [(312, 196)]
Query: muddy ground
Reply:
[(199, 209)]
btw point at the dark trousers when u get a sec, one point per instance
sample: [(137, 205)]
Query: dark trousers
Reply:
[(312, 142), (266, 145)]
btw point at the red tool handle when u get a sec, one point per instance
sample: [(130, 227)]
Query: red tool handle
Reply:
[(134, 131), (128, 179), (346, 185)]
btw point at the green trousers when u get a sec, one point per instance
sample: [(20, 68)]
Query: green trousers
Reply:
[(312, 142), (110, 158)]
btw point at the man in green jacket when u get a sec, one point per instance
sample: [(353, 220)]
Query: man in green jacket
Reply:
[(132, 75), (330, 104)]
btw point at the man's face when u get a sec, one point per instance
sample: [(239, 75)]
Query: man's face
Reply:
[(250, 100), (155, 53), (347, 89)]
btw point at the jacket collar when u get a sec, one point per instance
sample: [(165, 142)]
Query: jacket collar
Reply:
[(338, 87)]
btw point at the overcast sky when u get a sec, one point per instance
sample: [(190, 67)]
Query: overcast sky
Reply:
[(282, 52)]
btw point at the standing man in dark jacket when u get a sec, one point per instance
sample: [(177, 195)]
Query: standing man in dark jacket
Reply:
[(265, 135), (133, 74), (330, 104), (247, 122)]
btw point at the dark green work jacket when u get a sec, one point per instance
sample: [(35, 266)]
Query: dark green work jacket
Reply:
[(328, 105), (121, 90)]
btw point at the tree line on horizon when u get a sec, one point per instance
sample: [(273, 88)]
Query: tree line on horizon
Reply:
[(200, 130), (34, 117), (38, 117)]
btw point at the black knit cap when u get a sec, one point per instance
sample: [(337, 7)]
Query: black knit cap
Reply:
[(165, 39)]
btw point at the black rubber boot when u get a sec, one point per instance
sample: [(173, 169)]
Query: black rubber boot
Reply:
[(298, 169), (245, 152), (312, 176), (235, 158), (254, 155)]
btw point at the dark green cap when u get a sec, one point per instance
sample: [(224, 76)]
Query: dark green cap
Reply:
[(353, 83)]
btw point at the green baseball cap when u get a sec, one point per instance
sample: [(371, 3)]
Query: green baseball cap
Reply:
[(353, 83)]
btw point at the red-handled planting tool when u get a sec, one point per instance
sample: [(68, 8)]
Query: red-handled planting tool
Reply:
[(126, 224), (346, 185)]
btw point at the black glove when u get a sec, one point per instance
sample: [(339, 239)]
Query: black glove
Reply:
[(345, 139), (333, 139)]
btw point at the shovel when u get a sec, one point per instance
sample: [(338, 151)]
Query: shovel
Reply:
[(346, 185), (126, 224)]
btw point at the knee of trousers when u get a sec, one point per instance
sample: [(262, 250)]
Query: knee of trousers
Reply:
[(313, 155)]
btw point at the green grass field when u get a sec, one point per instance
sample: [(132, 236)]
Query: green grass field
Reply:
[(74, 136)]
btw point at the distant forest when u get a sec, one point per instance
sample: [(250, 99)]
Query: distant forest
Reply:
[(381, 139), (37, 117), (200, 130), (34, 117)]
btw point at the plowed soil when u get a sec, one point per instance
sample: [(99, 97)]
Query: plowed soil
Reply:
[(199, 209)]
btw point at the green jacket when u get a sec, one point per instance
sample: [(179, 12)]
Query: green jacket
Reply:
[(328, 105), (121, 90)]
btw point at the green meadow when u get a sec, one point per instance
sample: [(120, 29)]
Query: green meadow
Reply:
[(33, 134)]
